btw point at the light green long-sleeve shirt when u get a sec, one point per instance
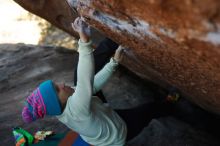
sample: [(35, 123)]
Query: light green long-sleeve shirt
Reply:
[(95, 121)]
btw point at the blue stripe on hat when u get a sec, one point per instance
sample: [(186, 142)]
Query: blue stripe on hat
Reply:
[(50, 97)]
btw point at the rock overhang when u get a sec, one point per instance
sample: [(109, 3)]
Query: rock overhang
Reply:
[(171, 43)]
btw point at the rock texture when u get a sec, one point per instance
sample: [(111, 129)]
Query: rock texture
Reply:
[(172, 43)]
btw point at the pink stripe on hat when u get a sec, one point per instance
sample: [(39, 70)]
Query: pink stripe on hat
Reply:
[(35, 108), (42, 101)]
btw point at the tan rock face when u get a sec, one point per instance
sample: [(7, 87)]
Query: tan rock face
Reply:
[(172, 43)]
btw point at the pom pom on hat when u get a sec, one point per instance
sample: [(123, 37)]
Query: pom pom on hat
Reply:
[(43, 101)]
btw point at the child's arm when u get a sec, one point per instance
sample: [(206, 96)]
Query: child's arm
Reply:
[(80, 100), (104, 75)]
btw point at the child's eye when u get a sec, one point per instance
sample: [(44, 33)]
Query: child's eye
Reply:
[(56, 88)]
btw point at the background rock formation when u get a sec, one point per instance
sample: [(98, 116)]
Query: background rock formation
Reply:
[(172, 43), (23, 67)]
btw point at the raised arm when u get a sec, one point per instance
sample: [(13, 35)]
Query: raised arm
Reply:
[(104, 75), (80, 100)]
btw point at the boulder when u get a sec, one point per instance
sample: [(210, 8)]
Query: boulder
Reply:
[(171, 43)]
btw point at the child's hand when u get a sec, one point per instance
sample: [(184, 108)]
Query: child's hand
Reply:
[(119, 54), (82, 28)]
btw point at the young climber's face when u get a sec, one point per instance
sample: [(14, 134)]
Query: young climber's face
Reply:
[(63, 92)]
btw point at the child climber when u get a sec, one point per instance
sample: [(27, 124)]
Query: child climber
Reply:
[(96, 122)]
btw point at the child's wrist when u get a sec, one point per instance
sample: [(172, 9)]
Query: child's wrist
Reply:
[(84, 38), (115, 61)]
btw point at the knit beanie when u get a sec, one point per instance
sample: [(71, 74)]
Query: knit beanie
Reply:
[(43, 101)]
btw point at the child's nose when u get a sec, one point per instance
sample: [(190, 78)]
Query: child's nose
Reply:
[(62, 85)]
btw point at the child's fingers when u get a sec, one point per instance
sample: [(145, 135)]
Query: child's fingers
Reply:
[(75, 23), (80, 25), (121, 51), (74, 26), (83, 19), (77, 20)]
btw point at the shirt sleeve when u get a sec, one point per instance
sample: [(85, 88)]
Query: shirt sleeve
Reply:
[(81, 98), (103, 75)]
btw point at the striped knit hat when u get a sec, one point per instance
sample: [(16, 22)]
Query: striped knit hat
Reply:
[(43, 101)]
